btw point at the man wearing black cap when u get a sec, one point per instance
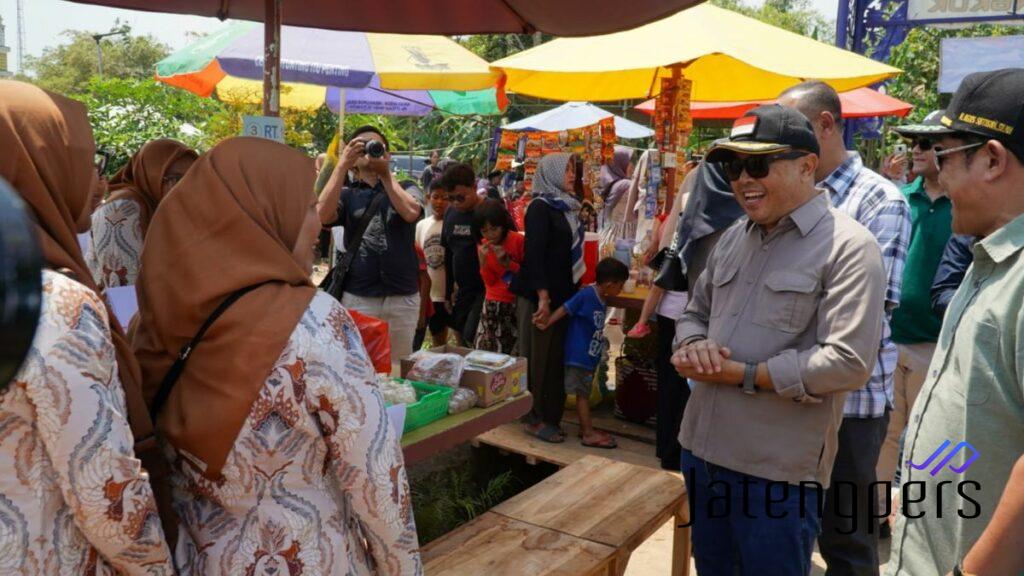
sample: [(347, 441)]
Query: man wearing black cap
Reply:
[(784, 320), (915, 326), (967, 426)]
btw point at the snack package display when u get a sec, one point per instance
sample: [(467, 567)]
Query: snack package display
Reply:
[(397, 391), (607, 139), (488, 361), (551, 144), (433, 368), (374, 332), (462, 399), (534, 149), (507, 150)]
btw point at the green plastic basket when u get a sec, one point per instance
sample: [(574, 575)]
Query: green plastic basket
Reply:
[(431, 406)]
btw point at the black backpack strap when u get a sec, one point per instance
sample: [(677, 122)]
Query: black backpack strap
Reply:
[(171, 378), (336, 276)]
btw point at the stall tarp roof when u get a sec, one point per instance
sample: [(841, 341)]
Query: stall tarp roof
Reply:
[(572, 115), (859, 103)]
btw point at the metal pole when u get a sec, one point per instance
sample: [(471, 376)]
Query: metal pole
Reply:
[(272, 58), (843, 23), (412, 142), (342, 102), (99, 54)]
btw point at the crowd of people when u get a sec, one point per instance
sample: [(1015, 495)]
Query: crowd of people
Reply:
[(825, 332)]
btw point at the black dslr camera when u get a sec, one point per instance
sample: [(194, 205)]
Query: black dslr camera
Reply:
[(20, 282), (375, 149)]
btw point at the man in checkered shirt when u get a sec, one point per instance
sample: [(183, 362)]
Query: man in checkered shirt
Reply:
[(849, 536)]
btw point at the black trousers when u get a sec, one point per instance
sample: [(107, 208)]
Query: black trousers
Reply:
[(849, 525), (465, 316), (673, 393), (545, 352)]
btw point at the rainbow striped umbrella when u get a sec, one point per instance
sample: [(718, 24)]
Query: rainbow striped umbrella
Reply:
[(393, 74)]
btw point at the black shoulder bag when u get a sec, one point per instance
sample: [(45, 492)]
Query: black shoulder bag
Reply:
[(171, 378), (334, 282)]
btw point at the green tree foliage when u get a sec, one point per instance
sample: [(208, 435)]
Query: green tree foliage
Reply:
[(493, 47), (798, 16), (127, 113), (69, 67)]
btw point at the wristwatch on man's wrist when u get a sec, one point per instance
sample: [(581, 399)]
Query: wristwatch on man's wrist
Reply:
[(750, 379)]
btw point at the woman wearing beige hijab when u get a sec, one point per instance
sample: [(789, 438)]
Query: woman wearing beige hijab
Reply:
[(73, 497), (119, 225), (283, 458)]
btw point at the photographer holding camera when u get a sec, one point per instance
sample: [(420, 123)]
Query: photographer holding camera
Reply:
[(378, 274)]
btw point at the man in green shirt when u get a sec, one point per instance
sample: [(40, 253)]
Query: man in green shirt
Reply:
[(915, 327), (963, 501)]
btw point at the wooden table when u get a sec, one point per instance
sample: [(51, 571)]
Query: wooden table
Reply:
[(630, 301), (451, 431), (496, 545), (610, 503)]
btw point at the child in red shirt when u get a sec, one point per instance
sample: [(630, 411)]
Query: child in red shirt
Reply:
[(501, 252)]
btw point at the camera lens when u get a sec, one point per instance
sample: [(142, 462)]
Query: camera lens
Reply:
[(20, 282), (375, 149)]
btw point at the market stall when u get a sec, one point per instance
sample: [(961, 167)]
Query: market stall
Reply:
[(706, 54)]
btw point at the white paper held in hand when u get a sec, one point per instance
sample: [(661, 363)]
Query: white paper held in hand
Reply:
[(396, 417), (124, 302)]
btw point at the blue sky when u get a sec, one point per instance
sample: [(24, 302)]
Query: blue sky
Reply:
[(46, 19)]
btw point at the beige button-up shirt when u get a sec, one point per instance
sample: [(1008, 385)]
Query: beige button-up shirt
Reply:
[(807, 299)]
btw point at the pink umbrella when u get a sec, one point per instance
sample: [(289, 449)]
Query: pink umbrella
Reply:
[(859, 103)]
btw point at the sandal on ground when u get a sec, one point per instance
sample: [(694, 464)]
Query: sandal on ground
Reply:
[(546, 432), (639, 331), (606, 441)]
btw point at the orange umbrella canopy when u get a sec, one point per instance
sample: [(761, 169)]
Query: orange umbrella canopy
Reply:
[(859, 103)]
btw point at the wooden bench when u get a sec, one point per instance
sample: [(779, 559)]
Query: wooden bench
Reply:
[(585, 519)]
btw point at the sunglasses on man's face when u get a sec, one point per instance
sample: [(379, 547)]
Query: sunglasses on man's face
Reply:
[(924, 144), (456, 197), (941, 154), (756, 166)]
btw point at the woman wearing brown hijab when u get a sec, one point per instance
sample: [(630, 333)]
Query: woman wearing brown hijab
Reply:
[(282, 454), (119, 224), (73, 497)]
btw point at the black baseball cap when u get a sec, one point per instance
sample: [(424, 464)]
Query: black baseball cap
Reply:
[(990, 105), (766, 130), (930, 126)]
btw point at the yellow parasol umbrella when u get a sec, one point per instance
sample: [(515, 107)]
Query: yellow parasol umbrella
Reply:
[(726, 55)]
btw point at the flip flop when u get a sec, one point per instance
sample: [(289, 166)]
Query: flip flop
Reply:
[(607, 442), (547, 433)]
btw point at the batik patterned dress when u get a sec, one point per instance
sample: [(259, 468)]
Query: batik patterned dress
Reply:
[(73, 498), (315, 483), (116, 243)]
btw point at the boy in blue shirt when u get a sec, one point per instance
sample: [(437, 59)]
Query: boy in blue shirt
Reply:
[(584, 342)]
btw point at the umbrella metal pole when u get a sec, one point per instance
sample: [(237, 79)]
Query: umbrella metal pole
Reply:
[(342, 102), (272, 58), (412, 142)]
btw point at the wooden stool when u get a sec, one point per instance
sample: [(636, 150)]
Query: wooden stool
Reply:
[(496, 545), (610, 503)]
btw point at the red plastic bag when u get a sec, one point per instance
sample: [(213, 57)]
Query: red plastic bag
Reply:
[(376, 339)]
